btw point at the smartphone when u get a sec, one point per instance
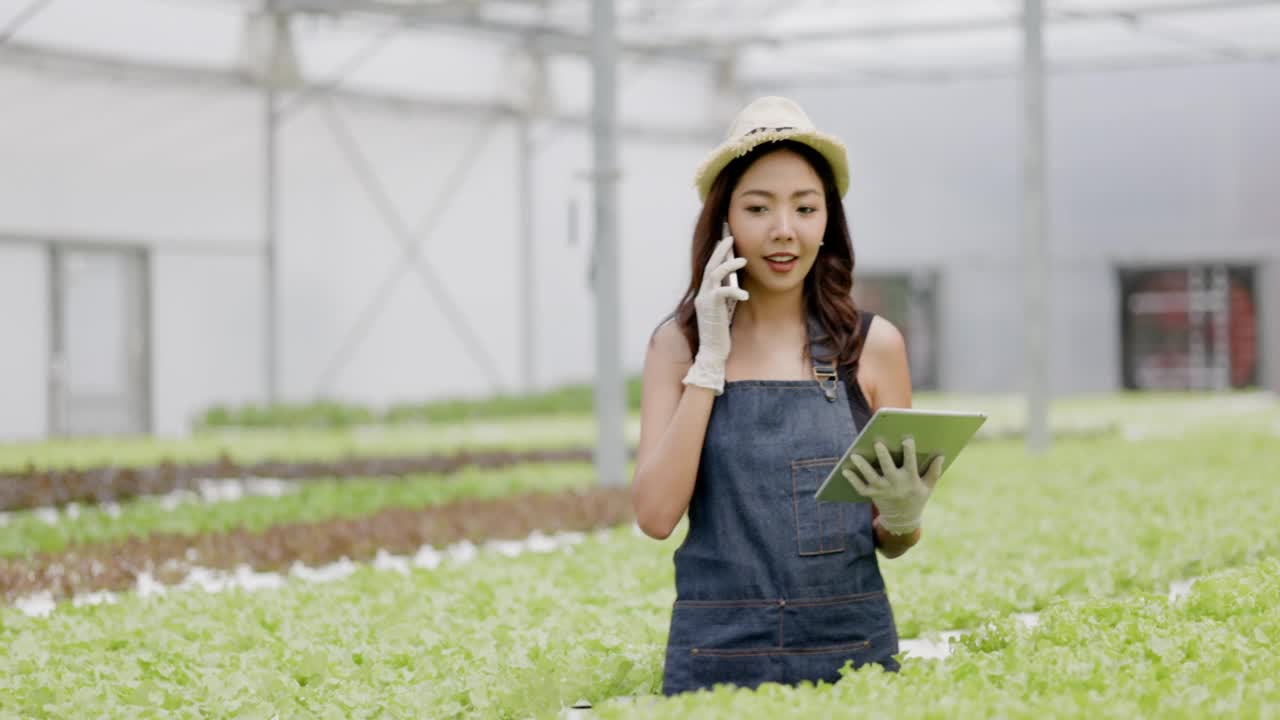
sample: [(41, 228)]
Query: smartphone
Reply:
[(731, 280)]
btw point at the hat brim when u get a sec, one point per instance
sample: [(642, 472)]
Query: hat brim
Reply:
[(830, 147)]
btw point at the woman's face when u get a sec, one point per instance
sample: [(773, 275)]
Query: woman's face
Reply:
[(778, 215)]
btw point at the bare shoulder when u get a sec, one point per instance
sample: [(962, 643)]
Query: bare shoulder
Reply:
[(884, 342), (884, 372), (669, 344)]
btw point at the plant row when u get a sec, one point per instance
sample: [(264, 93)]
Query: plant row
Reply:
[(567, 400), (56, 488), (28, 533), (303, 446), (170, 557), (1133, 414)]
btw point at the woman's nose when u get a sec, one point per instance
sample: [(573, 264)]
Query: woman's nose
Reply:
[(783, 230)]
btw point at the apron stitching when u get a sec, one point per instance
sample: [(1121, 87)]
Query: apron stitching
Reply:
[(752, 652), (822, 539), (724, 603), (818, 602), (766, 602), (814, 461), (795, 506)]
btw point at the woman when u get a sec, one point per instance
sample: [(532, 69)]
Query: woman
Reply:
[(742, 421)]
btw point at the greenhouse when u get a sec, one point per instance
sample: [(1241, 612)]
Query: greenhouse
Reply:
[(333, 381)]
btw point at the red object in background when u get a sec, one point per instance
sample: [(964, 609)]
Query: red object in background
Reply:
[(1172, 319), (1242, 334), (1157, 323)]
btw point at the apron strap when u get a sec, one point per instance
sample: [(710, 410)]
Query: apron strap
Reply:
[(824, 371)]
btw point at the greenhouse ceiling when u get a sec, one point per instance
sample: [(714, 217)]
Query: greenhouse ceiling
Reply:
[(758, 43)]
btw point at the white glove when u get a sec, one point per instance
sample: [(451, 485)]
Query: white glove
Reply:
[(713, 306), (900, 493)]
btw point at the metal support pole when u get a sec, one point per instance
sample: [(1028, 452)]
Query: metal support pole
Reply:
[(57, 344), (528, 291), (270, 216), (610, 456), (1033, 212)]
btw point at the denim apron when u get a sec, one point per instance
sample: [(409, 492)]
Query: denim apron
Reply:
[(772, 585)]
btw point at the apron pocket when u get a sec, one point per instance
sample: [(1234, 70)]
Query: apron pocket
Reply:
[(751, 668), (722, 641), (743, 668), (831, 621), (726, 624), (820, 526), (822, 664)]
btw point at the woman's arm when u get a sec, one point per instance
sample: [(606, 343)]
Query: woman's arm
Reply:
[(884, 360), (673, 424), (892, 546)]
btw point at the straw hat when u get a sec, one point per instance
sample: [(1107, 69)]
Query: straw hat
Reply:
[(770, 119)]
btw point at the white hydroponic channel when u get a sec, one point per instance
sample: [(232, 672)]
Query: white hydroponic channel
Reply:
[(935, 646)]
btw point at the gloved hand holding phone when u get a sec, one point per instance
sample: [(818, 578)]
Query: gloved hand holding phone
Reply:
[(899, 493), (713, 306)]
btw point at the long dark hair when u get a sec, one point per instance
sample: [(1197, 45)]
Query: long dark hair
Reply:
[(829, 284)]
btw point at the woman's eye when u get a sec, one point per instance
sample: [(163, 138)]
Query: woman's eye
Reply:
[(807, 210), (756, 209)]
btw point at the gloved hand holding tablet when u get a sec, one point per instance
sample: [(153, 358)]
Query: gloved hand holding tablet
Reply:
[(880, 475)]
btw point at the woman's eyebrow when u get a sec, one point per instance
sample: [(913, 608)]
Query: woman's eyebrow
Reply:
[(770, 195)]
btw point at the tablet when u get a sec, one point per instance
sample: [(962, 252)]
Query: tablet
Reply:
[(936, 432)]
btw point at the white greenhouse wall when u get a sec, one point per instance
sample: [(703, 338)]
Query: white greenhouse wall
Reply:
[(658, 207), (24, 348), (95, 159), (338, 255), (207, 335)]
